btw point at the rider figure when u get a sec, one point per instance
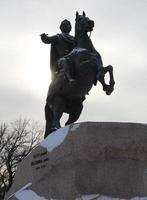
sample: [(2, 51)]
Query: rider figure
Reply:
[(61, 45)]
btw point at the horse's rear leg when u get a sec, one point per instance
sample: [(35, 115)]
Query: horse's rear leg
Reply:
[(75, 112), (49, 119), (53, 113), (57, 108)]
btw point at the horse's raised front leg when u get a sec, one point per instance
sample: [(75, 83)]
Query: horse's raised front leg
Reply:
[(107, 88), (109, 69)]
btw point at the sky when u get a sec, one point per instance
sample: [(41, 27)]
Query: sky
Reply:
[(119, 35)]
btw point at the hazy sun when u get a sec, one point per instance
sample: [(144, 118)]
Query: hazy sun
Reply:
[(36, 71)]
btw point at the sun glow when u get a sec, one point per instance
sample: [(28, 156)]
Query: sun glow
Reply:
[(36, 72)]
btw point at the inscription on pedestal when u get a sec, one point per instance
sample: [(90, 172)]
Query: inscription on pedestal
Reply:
[(39, 160)]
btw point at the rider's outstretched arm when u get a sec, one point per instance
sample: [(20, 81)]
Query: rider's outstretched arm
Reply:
[(48, 40)]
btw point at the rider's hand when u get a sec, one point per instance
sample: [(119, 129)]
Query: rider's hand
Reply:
[(44, 35)]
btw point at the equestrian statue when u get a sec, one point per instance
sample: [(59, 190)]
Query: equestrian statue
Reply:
[(75, 73)]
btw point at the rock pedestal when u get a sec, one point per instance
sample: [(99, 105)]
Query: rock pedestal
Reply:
[(88, 160)]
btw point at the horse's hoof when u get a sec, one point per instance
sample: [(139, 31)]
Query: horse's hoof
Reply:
[(109, 90), (112, 83), (110, 67), (105, 87)]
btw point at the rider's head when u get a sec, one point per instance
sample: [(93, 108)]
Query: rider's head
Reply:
[(65, 26)]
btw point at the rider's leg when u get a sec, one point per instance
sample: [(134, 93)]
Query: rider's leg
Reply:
[(66, 68)]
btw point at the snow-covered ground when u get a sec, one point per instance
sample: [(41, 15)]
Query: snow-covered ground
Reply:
[(28, 194)]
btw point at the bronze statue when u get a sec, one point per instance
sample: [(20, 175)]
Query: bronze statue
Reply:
[(77, 72), (61, 45)]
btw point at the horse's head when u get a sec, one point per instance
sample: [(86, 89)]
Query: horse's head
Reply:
[(83, 24)]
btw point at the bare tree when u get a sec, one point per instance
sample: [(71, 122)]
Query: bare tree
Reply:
[(17, 139)]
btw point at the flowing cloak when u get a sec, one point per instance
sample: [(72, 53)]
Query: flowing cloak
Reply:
[(63, 44)]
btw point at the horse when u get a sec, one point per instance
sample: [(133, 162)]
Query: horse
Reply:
[(85, 66)]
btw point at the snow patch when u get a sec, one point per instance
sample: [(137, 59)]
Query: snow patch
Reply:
[(78, 50), (23, 188), (88, 197), (75, 126), (102, 197), (28, 195), (55, 139)]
